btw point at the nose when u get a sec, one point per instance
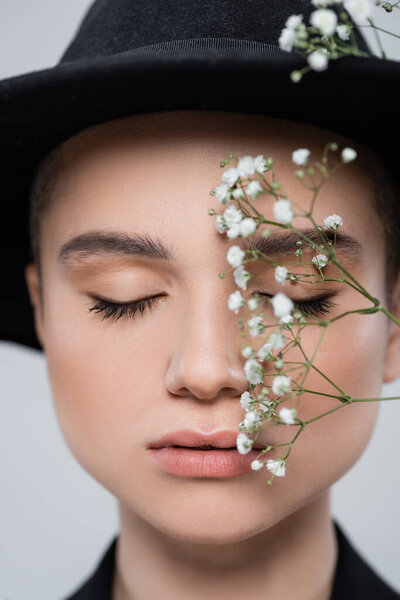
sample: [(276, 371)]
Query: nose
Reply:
[(206, 361)]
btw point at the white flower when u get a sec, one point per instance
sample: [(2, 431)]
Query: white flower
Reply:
[(256, 465), (246, 167), (277, 467), (235, 256), (260, 164), (233, 231), (300, 156), (286, 39), (243, 443), (241, 277), (325, 20), (348, 154), (252, 303), (343, 31), (265, 352), (286, 319), (320, 260), (333, 222), (280, 274), (220, 224), (318, 60), (281, 384), (359, 10), (247, 352), (254, 188), (230, 176), (281, 304), (253, 371), (251, 418), (293, 21), (246, 401), (222, 193), (282, 211), (235, 301), (287, 415), (238, 193), (256, 326), (277, 340), (232, 215), (247, 226)]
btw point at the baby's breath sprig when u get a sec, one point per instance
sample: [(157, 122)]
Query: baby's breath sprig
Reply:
[(330, 34), (240, 185)]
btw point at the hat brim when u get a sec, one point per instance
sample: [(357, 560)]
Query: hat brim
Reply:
[(356, 97)]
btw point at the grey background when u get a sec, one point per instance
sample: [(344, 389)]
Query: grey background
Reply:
[(55, 519)]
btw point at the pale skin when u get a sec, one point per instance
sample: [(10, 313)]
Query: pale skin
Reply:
[(118, 385)]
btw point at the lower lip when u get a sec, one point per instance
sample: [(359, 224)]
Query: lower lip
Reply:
[(203, 463)]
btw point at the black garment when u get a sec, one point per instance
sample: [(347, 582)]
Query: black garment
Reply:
[(354, 579)]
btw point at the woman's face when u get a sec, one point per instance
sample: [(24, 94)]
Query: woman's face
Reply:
[(119, 385)]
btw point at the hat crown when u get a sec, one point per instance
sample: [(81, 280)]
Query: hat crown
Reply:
[(122, 26)]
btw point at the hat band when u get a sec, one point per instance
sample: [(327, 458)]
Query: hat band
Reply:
[(209, 43)]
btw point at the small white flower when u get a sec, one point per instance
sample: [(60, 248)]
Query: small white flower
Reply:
[(325, 20), (343, 31), (220, 224), (320, 260), (246, 167), (235, 256), (246, 401), (287, 415), (241, 277), (286, 319), (232, 215), (233, 231), (277, 340), (300, 156), (238, 193), (293, 21), (260, 164), (265, 352), (256, 326), (280, 274), (281, 384), (286, 39), (277, 467), (222, 193), (333, 222), (247, 352), (251, 419), (253, 371), (230, 176), (359, 10), (247, 226), (281, 304), (282, 211), (256, 465), (243, 443), (252, 303), (254, 188), (318, 60), (348, 154), (235, 301)]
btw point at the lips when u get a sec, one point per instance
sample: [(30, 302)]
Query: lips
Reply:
[(193, 439)]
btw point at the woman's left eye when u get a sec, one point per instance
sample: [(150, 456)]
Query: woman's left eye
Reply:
[(314, 307), (117, 310)]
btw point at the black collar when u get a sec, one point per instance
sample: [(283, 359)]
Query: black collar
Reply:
[(354, 579)]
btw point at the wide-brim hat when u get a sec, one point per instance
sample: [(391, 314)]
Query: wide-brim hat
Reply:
[(133, 57)]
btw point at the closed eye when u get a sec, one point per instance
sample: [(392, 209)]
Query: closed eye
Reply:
[(124, 309), (314, 307)]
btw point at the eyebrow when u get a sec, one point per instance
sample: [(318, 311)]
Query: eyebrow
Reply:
[(98, 243)]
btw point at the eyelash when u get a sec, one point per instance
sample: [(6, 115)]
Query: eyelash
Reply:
[(314, 307)]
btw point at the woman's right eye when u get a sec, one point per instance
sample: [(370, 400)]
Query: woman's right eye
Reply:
[(117, 310), (315, 307)]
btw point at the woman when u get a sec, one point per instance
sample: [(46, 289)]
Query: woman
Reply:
[(119, 214)]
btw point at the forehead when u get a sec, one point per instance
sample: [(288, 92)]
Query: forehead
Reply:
[(153, 173)]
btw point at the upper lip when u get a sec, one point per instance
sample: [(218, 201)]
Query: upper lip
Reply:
[(185, 437)]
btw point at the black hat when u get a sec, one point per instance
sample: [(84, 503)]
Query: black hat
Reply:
[(142, 56)]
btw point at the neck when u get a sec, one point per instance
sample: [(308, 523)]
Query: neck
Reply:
[(277, 563)]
